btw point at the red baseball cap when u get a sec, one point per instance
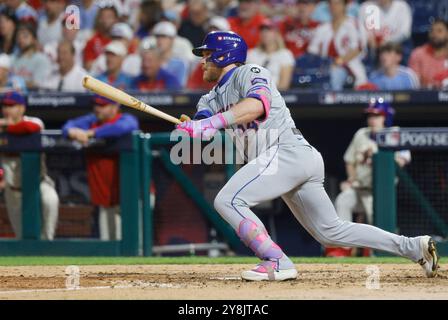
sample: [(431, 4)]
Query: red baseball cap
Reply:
[(102, 101)]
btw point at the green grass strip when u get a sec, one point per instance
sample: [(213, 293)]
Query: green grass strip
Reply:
[(64, 261)]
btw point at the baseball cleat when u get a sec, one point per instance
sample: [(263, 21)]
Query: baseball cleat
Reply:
[(268, 271), (430, 260)]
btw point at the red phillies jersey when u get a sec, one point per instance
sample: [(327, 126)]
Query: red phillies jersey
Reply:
[(95, 47), (27, 125), (104, 175), (431, 70), (297, 36), (249, 30)]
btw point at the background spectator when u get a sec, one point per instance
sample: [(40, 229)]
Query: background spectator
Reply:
[(72, 35), (128, 11), (114, 75), (218, 23), (340, 40), (392, 75), (68, 77), (153, 76), (272, 54), (106, 18), (247, 23), (33, 66), (88, 10), (165, 34), (430, 61), (298, 26), (120, 32), (151, 12), (8, 30), (50, 26), (103, 174), (24, 12), (194, 27), (8, 81), (15, 122), (226, 8), (394, 24), (322, 13)]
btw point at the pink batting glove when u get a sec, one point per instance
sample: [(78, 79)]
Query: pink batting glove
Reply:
[(205, 128)]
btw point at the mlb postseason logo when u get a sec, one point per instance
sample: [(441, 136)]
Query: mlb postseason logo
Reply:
[(413, 138)]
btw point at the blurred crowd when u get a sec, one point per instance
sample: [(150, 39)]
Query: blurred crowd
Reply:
[(146, 45)]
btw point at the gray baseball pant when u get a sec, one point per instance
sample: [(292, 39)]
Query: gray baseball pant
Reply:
[(294, 170)]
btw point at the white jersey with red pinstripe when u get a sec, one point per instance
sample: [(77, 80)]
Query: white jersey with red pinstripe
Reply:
[(329, 43)]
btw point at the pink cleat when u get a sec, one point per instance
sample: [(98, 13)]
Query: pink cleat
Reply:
[(268, 271)]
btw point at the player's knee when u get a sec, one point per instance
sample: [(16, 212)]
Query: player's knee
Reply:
[(331, 235), (222, 202)]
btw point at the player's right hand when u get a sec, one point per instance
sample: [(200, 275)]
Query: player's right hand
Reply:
[(184, 118)]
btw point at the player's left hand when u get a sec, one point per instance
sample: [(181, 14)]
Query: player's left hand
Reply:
[(205, 128), (184, 118), (198, 129)]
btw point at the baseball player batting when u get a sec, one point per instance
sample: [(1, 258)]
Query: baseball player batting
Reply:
[(246, 101)]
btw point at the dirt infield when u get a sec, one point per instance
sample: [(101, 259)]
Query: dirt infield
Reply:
[(315, 281)]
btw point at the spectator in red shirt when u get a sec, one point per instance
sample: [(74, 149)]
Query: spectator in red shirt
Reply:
[(430, 61), (298, 28), (107, 17), (103, 170), (247, 23), (14, 122), (153, 76)]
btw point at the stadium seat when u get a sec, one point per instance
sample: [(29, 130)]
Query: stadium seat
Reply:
[(423, 11), (312, 72)]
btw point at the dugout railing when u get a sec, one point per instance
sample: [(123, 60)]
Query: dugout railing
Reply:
[(412, 200), (136, 155), (31, 148)]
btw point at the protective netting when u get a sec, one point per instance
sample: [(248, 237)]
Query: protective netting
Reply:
[(422, 195)]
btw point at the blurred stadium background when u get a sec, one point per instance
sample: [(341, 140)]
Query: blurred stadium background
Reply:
[(327, 117)]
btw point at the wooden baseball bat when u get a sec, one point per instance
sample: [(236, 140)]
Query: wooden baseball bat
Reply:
[(123, 98)]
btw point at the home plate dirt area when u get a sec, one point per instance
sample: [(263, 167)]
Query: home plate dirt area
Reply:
[(221, 281)]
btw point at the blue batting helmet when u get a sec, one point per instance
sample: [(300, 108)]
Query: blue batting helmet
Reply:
[(227, 47), (379, 106)]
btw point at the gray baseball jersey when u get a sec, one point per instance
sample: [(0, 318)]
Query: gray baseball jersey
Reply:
[(288, 167), (250, 80)]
